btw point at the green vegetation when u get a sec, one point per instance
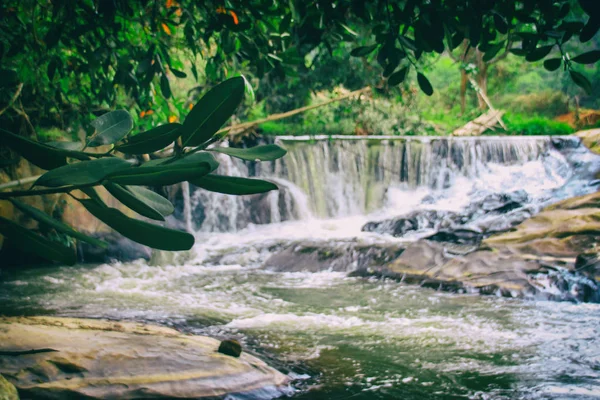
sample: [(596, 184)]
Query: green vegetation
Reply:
[(431, 65), (124, 178)]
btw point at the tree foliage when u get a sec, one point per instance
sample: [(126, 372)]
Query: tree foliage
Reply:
[(80, 172), (64, 62)]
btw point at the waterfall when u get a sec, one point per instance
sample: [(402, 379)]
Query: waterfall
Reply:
[(328, 177)]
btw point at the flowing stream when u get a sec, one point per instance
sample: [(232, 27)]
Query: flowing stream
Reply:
[(344, 337)]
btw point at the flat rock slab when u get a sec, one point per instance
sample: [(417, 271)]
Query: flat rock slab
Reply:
[(97, 359)]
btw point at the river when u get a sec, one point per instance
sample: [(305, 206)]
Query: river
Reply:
[(344, 337)]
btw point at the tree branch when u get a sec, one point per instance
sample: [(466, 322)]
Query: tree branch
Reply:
[(14, 98)]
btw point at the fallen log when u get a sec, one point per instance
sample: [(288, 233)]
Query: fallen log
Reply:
[(480, 124)]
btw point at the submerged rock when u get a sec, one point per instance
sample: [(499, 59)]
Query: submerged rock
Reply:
[(124, 360), (119, 248), (7, 390)]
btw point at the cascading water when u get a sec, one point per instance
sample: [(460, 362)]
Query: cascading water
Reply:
[(347, 337), (333, 177)]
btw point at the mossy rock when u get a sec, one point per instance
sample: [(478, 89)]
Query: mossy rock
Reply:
[(590, 139), (7, 390), (80, 358)]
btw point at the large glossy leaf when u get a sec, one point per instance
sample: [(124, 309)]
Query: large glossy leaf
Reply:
[(29, 242), (552, 64), (53, 223), (212, 111), (83, 173), (424, 84), (39, 154), (363, 50), (587, 58), (143, 201), (111, 127), (267, 152), (233, 185), (152, 140), (590, 28), (539, 53), (398, 77), (193, 166), (581, 81), (142, 232)]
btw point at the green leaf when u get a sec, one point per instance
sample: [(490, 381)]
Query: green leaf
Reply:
[(179, 74), (57, 225), (37, 153), (233, 185), (83, 173), (153, 140), (73, 146), (142, 232), (500, 23), (590, 29), (29, 242), (194, 166), (389, 70), (398, 77), (424, 84), (165, 86), (552, 64), (581, 81), (267, 152), (212, 111), (539, 53), (587, 58), (492, 51), (8, 78), (111, 127), (348, 29), (143, 201), (363, 51)]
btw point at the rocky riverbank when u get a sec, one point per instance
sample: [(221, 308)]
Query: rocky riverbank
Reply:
[(65, 358)]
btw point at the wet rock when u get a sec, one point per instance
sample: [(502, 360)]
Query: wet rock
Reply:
[(7, 390), (590, 139), (458, 236), (414, 221), (230, 347), (119, 249), (485, 271), (316, 256), (564, 229), (589, 264), (125, 360), (484, 215)]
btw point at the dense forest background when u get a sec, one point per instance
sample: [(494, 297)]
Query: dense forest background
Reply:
[(64, 66)]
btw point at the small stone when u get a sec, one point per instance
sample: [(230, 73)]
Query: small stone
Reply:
[(7, 390), (230, 347)]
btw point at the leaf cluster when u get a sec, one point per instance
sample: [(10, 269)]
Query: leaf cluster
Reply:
[(125, 178)]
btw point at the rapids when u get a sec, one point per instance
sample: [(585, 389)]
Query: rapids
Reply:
[(344, 337)]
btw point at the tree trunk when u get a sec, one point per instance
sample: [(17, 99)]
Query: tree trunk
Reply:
[(482, 69), (463, 91)]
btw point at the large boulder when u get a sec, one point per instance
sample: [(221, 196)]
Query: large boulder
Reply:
[(564, 229), (65, 358)]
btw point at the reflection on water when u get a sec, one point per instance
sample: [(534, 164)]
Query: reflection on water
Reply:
[(343, 337)]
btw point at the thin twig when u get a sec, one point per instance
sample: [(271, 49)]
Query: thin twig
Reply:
[(14, 98)]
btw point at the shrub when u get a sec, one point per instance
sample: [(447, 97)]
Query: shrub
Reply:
[(548, 103), (519, 124)]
